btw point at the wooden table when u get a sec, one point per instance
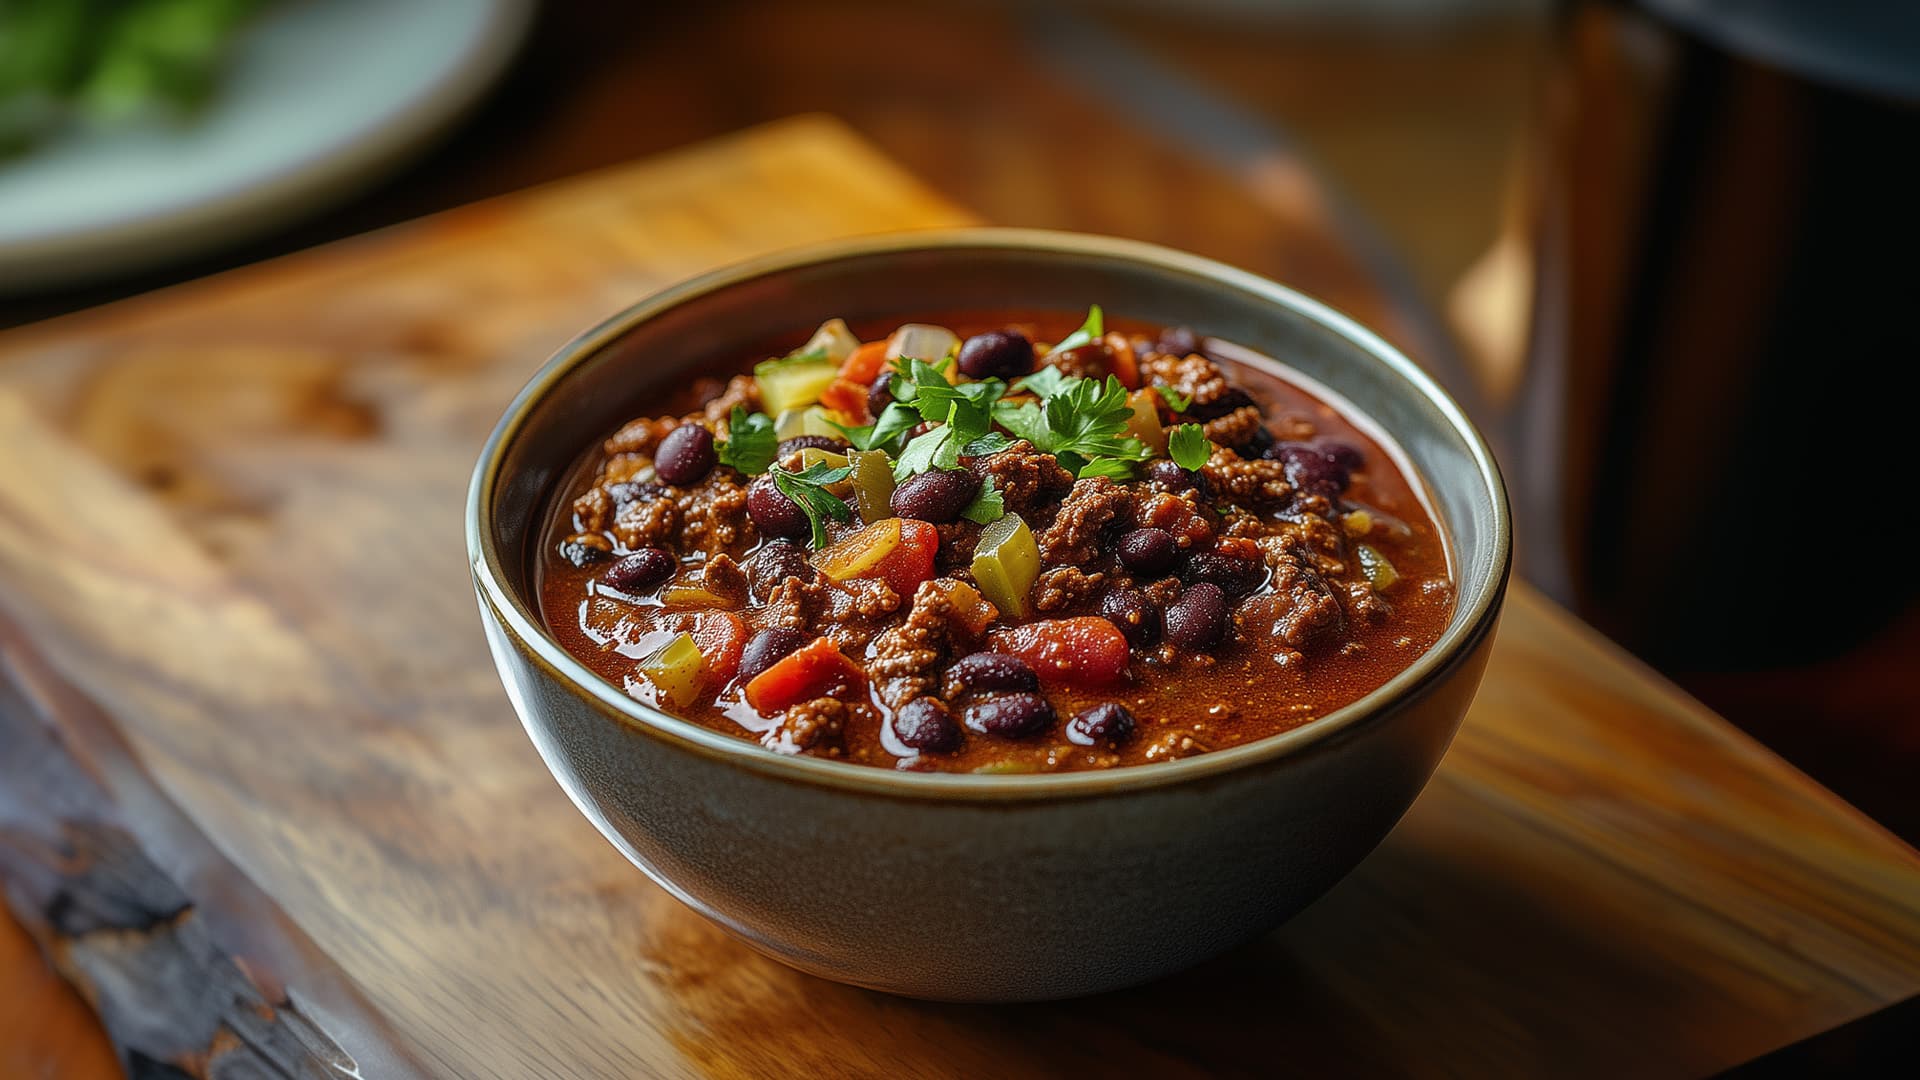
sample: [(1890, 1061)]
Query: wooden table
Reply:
[(231, 520)]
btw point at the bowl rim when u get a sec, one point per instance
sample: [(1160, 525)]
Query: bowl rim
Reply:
[(528, 633)]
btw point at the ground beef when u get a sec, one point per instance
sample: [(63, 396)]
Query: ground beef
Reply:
[(958, 539), (714, 514), (1300, 604), (1180, 515), (639, 436), (1074, 537), (647, 523), (741, 390), (794, 602), (1162, 592), (1025, 477), (593, 511), (1237, 429), (621, 468), (723, 577), (807, 726), (1365, 605), (871, 598), (905, 657), (1254, 483), (1193, 375), (1065, 587), (1294, 428)]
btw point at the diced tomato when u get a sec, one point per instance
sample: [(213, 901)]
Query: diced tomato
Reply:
[(847, 398), (910, 563), (808, 672), (1085, 651), (865, 363), (1125, 365), (721, 635)]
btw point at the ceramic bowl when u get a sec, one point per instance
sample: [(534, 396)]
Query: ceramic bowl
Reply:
[(965, 887)]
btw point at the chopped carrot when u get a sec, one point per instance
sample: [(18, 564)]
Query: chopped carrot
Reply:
[(865, 363), (809, 672)]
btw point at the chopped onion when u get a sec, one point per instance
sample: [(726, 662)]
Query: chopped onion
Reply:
[(918, 341)]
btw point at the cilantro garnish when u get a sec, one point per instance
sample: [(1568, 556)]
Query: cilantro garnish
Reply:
[(986, 507), (1080, 423), (750, 442), (1090, 331), (1046, 382), (963, 413), (895, 421), (1175, 400), (1188, 446), (808, 491)]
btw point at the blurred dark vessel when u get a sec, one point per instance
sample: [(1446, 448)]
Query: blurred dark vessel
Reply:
[(1712, 443)]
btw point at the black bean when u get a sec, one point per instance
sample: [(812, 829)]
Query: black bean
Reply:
[(936, 496), (1310, 468), (880, 395), (1235, 575), (1147, 551), (1255, 444), (1005, 354), (642, 569), (986, 671), (817, 442), (1010, 716), (772, 512), (1178, 341), (775, 562), (1134, 614), (1199, 618), (685, 455), (1106, 724), (767, 648), (1234, 398), (1168, 476), (926, 724), (585, 549)]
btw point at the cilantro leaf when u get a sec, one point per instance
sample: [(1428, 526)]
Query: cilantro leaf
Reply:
[(1112, 468), (750, 444), (986, 507), (1046, 382), (1090, 331), (1175, 400), (808, 491), (895, 421), (986, 445), (1188, 446), (1081, 421), (936, 449)]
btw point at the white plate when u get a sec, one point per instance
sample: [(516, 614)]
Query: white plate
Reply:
[(321, 97)]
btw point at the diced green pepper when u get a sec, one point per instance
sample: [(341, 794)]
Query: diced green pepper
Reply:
[(1005, 563), (1380, 572), (814, 455), (872, 484), (676, 672), (794, 383)]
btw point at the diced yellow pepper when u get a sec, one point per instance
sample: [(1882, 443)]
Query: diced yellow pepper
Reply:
[(793, 384), (676, 672), (1144, 424), (1380, 572), (1005, 563), (970, 609), (814, 455), (861, 552), (872, 484), (695, 596)]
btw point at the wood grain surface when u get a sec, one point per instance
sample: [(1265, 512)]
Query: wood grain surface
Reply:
[(231, 514)]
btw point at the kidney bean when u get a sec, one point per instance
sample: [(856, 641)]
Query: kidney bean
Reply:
[(1010, 716), (1178, 341), (1310, 468), (1234, 398), (936, 497), (1134, 614), (987, 671), (1005, 354), (1106, 724), (775, 562), (1147, 551), (1234, 574), (1343, 454), (685, 455), (880, 395), (803, 442), (1199, 618), (772, 512), (926, 724), (585, 549), (1168, 476), (642, 569), (769, 647)]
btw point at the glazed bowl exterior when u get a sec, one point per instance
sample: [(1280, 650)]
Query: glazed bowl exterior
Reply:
[(964, 887)]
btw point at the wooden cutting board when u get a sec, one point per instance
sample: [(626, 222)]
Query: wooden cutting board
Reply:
[(230, 514)]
